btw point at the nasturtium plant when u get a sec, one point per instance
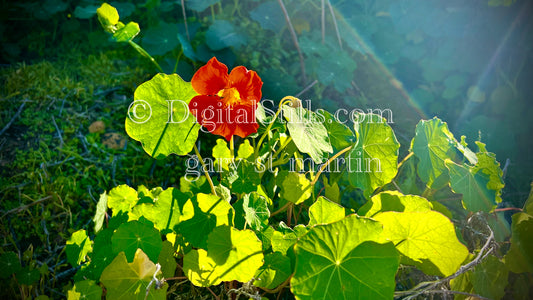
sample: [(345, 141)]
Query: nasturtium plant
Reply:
[(307, 132), (209, 211), (344, 260), (324, 211), (393, 201), (433, 144), (120, 199), (373, 160), (290, 200), (130, 280), (231, 255), (285, 237), (222, 34), (426, 239), (77, 247), (135, 235), (339, 134), (275, 270), (169, 208), (165, 124), (252, 211), (86, 289), (296, 188), (473, 186), (9, 264)]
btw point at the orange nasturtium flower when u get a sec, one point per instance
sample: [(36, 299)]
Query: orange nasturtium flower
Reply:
[(227, 102)]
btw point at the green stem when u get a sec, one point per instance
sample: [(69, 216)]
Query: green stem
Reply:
[(324, 166), (281, 209), (267, 130), (177, 61), (405, 159), (205, 170), (279, 162), (232, 147), (289, 213), (145, 54), (426, 192), (282, 147)]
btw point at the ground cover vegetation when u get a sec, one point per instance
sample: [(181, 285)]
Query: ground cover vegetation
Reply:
[(292, 204)]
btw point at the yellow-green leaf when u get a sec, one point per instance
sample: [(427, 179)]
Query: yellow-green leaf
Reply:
[(426, 239)]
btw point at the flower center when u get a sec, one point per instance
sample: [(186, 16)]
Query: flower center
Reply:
[(230, 96)]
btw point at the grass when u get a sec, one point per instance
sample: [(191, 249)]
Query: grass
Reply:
[(53, 169)]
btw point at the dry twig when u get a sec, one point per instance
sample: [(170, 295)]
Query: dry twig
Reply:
[(13, 119), (432, 287)]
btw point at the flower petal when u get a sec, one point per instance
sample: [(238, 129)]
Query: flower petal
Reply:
[(204, 107), (225, 130), (221, 120), (247, 82), (243, 117), (210, 78)]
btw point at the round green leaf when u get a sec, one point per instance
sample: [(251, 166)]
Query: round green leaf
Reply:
[(427, 239), (256, 211), (232, 255), (159, 117), (87, 289), (9, 264), (247, 178), (296, 188), (286, 237), (122, 199), (307, 132), (101, 256), (237, 253), (161, 39), (170, 208), (85, 12), (222, 34), (342, 261), (432, 144), (200, 5), (393, 201), (275, 270), (200, 268), (209, 211), (473, 185), (54, 6), (166, 260), (125, 280), (77, 247), (519, 258), (27, 276), (186, 46), (132, 235), (269, 16), (489, 278), (125, 9), (373, 161), (324, 211), (339, 134)]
